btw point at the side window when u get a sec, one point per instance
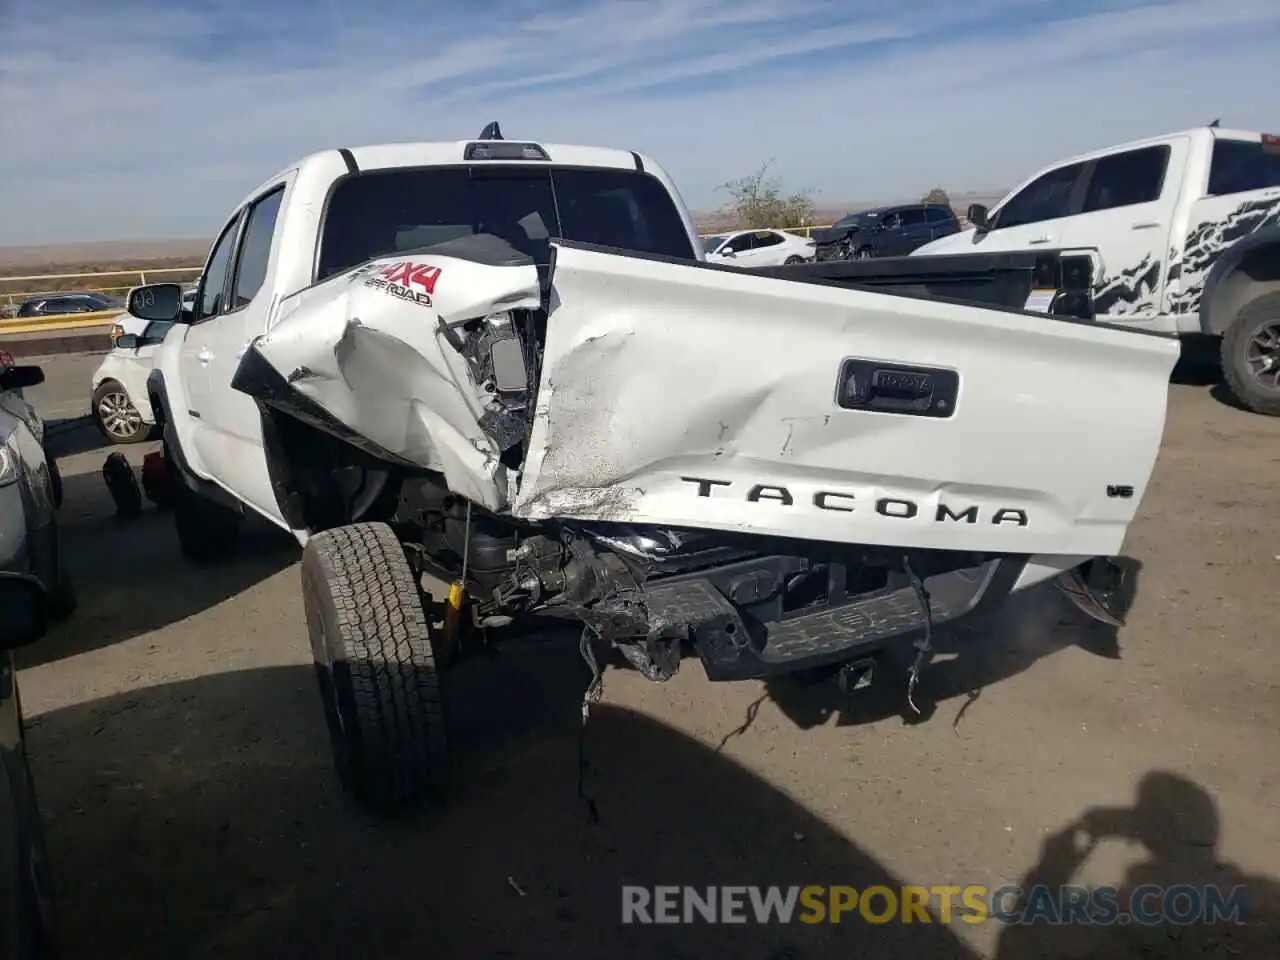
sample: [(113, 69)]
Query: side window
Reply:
[(56, 306), (739, 244), (766, 238), (913, 216), (213, 293), (255, 248), (1241, 165), (1125, 179), (937, 215), (890, 221), (1045, 198)]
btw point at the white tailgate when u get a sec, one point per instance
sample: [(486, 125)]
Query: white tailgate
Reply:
[(669, 392)]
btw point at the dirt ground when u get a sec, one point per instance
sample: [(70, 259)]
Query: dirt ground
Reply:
[(178, 746)]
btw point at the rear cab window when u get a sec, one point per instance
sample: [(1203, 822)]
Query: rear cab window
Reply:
[(381, 212), (1127, 179), (1239, 166)]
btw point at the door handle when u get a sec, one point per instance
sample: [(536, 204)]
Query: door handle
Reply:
[(1044, 239), (1146, 225), (204, 355)]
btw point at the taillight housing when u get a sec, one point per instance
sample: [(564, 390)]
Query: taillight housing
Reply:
[(116, 332)]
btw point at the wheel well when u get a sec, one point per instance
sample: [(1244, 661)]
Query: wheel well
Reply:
[(1257, 273), (321, 481)]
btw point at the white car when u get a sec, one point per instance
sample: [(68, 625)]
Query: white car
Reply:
[(758, 248), (120, 406), (119, 403)]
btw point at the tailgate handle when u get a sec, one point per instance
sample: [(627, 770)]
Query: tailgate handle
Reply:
[(896, 388)]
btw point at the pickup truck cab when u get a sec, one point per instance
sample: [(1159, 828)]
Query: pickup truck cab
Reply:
[(508, 363), (1187, 227)]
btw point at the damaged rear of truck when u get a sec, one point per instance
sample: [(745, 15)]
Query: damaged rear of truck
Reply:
[(780, 474), (778, 470)]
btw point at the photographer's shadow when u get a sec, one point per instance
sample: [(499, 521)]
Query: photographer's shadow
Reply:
[(1027, 627), (1175, 823)]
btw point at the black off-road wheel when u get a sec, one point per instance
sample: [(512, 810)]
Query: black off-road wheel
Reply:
[(376, 667), (207, 531), (1251, 355)]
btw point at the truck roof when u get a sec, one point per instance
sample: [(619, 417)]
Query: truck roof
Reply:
[(1195, 133), (389, 156)]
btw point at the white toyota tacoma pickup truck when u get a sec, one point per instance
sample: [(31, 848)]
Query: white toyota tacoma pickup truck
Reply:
[(507, 363), (1188, 231)]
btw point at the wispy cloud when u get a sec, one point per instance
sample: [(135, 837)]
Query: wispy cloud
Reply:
[(147, 119)]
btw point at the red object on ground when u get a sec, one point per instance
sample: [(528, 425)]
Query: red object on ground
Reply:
[(6, 359), (157, 484)]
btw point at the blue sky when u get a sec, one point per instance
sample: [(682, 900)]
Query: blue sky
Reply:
[(147, 119)]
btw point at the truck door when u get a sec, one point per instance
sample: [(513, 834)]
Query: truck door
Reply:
[(1031, 218), (1126, 211), (233, 439), (197, 350)]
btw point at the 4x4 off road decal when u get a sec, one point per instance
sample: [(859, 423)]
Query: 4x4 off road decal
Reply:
[(415, 282)]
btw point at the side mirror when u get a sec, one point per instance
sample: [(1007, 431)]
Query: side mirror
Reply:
[(156, 301), (729, 253), (16, 378), (127, 341), (977, 216)]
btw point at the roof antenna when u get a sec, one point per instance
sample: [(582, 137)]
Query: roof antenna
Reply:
[(1214, 124), (491, 132)]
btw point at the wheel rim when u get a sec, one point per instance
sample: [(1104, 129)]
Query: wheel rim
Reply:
[(120, 418), (1262, 355)]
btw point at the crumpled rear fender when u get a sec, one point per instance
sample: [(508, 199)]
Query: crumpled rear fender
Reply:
[(371, 349)]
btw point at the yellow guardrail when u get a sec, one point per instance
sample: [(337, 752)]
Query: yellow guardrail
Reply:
[(72, 321)]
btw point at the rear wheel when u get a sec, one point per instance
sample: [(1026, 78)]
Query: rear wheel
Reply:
[(376, 667), (790, 260), (117, 418), (1251, 355)]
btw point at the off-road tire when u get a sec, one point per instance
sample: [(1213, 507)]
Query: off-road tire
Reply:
[(376, 668), (1254, 315), (207, 531)]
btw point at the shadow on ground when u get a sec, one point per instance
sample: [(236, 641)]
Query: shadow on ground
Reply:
[(70, 436), (1182, 900), (202, 819), (1031, 625), (129, 577)]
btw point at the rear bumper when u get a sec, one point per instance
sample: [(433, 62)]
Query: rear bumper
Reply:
[(734, 644)]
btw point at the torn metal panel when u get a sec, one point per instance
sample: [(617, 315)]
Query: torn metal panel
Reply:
[(372, 348), (681, 396)]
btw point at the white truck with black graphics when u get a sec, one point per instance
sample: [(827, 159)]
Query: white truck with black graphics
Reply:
[(507, 365), (1187, 228)]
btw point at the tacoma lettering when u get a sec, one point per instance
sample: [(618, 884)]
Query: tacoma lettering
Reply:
[(897, 508)]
